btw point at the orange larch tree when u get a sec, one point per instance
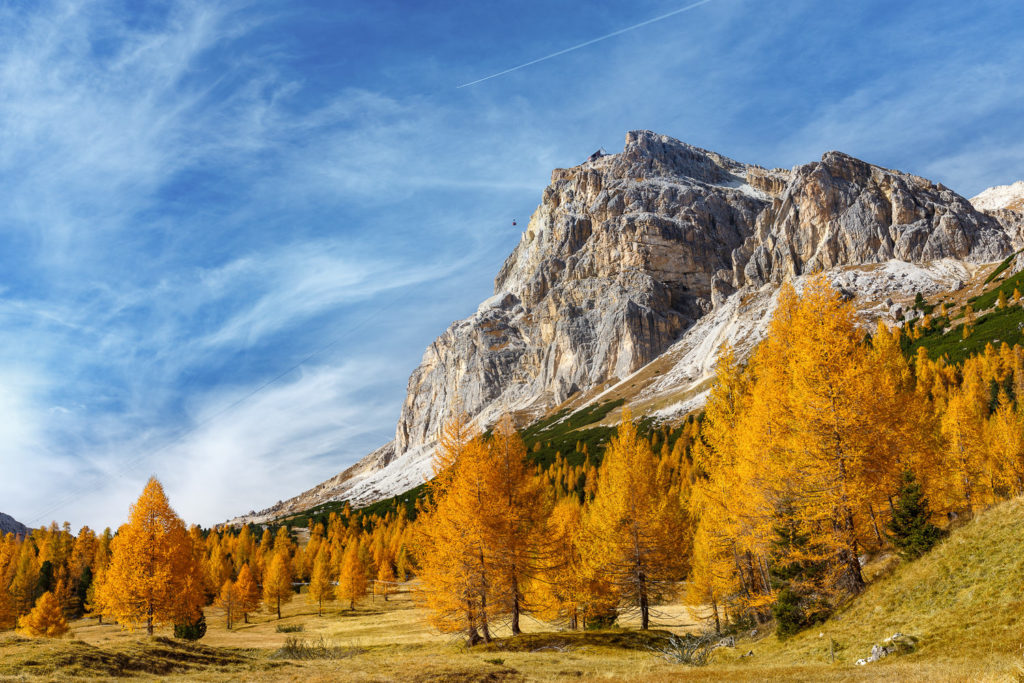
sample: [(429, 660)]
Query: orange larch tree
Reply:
[(152, 578), (633, 526), (248, 593), (46, 620), (351, 576), (320, 587), (277, 582)]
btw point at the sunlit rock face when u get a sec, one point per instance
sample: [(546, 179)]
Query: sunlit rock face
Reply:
[(627, 251), (665, 252)]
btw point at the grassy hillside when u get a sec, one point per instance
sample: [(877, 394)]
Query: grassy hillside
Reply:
[(991, 324), (964, 602)]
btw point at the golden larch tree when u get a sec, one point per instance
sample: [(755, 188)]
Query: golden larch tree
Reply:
[(227, 600), (351, 576), (46, 620), (513, 510), (153, 577), (385, 579), (320, 588), (248, 592), (449, 536), (633, 525), (277, 582)]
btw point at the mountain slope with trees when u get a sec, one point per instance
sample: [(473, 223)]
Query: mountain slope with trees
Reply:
[(637, 268)]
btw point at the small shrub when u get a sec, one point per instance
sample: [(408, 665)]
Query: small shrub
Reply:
[(496, 661), (688, 649), (290, 628), (789, 614), (193, 631), (294, 648)]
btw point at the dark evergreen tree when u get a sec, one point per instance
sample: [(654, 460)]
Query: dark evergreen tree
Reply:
[(82, 590), (46, 581), (911, 529), (191, 631), (799, 603)]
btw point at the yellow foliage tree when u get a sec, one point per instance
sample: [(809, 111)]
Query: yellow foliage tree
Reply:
[(633, 526), (152, 577), (46, 620), (351, 576), (449, 540), (277, 582), (248, 592), (320, 582), (385, 580), (512, 511), (227, 600), (571, 591)]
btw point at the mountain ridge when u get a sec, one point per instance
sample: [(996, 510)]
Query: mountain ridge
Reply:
[(9, 525), (656, 256)]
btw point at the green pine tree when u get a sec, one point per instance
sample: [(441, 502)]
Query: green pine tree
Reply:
[(796, 575), (911, 530)]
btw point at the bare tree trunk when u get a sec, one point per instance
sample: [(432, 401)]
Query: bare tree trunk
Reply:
[(484, 628), (515, 608), (714, 608), (149, 621), (645, 611), (471, 632), (874, 523)]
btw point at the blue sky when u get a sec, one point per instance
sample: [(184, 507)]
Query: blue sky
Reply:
[(229, 230)]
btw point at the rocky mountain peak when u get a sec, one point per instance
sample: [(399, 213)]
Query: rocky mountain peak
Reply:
[(657, 255), (1001, 197), (842, 210), (1005, 203)]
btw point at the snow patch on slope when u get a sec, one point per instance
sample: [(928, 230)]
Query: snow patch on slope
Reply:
[(742, 322), (900, 278), (1001, 197)]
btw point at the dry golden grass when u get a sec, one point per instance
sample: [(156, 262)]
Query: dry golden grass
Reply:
[(963, 601)]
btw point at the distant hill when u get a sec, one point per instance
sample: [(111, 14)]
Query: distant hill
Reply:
[(8, 524)]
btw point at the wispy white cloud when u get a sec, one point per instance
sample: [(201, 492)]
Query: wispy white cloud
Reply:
[(186, 212), (272, 445)]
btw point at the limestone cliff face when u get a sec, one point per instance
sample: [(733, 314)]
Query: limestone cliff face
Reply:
[(842, 211), (1005, 203), (615, 263), (662, 253), (627, 251)]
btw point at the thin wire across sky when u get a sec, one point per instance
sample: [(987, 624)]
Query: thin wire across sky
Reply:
[(589, 42)]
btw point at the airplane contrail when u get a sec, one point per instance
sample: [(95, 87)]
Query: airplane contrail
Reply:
[(589, 42)]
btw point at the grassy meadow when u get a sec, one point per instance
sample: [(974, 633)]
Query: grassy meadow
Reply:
[(963, 601)]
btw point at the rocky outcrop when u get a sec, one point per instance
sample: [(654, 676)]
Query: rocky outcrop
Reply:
[(662, 250), (627, 251), (620, 257), (9, 525), (843, 211), (1005, 203)]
